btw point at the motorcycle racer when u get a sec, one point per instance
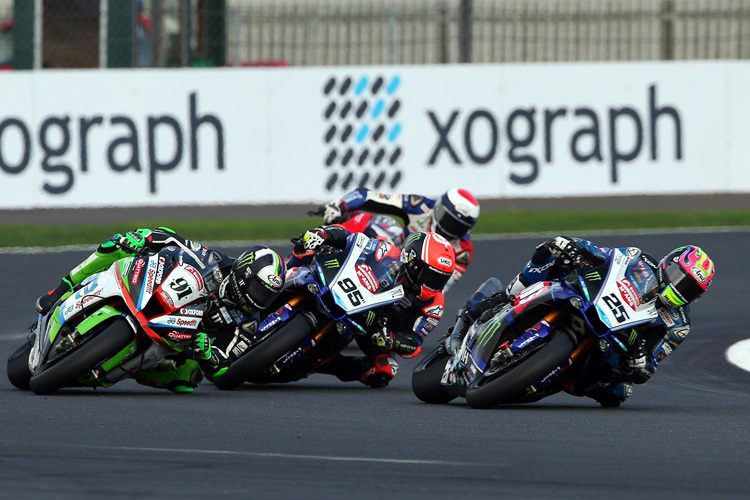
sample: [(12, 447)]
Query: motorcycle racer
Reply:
[(683, 275), (238, 290), (423, 267), (452, 216)]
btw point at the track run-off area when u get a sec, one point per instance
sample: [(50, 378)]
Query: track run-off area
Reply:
[(683, 434)]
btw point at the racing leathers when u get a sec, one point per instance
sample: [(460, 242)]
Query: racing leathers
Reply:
[(416, 212), (610, 382), (396, 329), (178, 373)]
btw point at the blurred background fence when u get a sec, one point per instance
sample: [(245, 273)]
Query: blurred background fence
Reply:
[(169, 33)]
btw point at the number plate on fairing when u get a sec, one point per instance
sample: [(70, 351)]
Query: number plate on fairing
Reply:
[(182, 286)]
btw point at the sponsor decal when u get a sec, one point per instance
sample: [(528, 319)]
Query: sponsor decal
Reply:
[(593, 276), (680, 333), (160, 270), (445, 261), (666, 318), (194, 272), (667, 348), (186, 311), (165, 296), (361, 133), (137, 268), (275, 281), (331, 264), (698, 274), (150, 274), (435, 311), (629, 293), (367, 278), (179, 336), (541, 269), (187, 322), (382, 250)]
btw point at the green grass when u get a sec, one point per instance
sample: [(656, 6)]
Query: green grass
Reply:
[(512, 221)]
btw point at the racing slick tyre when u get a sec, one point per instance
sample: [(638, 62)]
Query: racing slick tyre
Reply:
[(89, 355), (507, 385), (18, 367), (425, 382), (262, 355)]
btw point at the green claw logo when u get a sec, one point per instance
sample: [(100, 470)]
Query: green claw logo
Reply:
[(489, 329), (331, 264), (593, 276)]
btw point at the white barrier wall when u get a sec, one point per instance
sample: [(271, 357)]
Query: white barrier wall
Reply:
[(175, 137)]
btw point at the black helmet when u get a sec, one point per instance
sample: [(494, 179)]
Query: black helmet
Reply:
[(255, 280), (428, 261)]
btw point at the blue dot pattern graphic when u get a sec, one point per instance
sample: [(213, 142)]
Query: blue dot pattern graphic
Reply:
[(361, 132)]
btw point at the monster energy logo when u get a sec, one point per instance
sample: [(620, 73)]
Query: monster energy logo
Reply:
[(331, 264), (246, 260), (593, 276), (633, 337), (370, 318), (489, 329)]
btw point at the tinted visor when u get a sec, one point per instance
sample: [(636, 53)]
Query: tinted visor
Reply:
[(428, 277), (684, 284), (448, 224), (259, 294)]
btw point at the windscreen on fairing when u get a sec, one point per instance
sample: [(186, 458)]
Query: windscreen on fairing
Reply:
[(643, 280), (378, 266)]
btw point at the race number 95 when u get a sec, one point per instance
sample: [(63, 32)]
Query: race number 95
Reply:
[(350, 289)]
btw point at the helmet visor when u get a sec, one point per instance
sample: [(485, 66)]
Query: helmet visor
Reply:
[(430, 278), (259, 294), (683, 283), (448, 224)]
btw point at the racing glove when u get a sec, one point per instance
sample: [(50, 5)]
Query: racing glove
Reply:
[(204, 355), (133, 242), (564, 250), (332, 212), (635, 363), (309, 241)]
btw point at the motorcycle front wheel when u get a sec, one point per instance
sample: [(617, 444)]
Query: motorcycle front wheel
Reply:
[(425, 381), (67, 371), (259, 357), (506, 386), (18, 367)]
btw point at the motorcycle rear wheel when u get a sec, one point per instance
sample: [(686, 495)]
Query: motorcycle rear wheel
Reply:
[(67, 371), (259, 357), (425, 382), (18, 367), (488, 391)]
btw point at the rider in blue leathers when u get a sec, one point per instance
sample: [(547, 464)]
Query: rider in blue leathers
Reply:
[(683, 275)]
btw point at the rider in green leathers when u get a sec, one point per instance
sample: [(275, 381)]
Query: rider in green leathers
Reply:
[(237, 290)]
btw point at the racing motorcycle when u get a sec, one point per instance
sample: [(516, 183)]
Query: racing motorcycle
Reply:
[(320, 309), (545, 337), (376, 226), (114, 324)]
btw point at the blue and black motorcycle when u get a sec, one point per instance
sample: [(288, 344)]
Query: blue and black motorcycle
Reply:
[(543, 340), (321, 307)]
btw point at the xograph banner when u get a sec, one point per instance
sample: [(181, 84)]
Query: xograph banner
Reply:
[(244, 136)]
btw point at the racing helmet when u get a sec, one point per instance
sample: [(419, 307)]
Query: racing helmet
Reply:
[(684, 274), (455, 213), (254, 281), (427, 262), (383, 227)]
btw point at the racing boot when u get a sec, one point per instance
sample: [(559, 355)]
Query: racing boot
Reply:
[(180, 377), (46, 301)]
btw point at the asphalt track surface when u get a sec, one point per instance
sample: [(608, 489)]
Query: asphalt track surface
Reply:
[(684, 434)]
